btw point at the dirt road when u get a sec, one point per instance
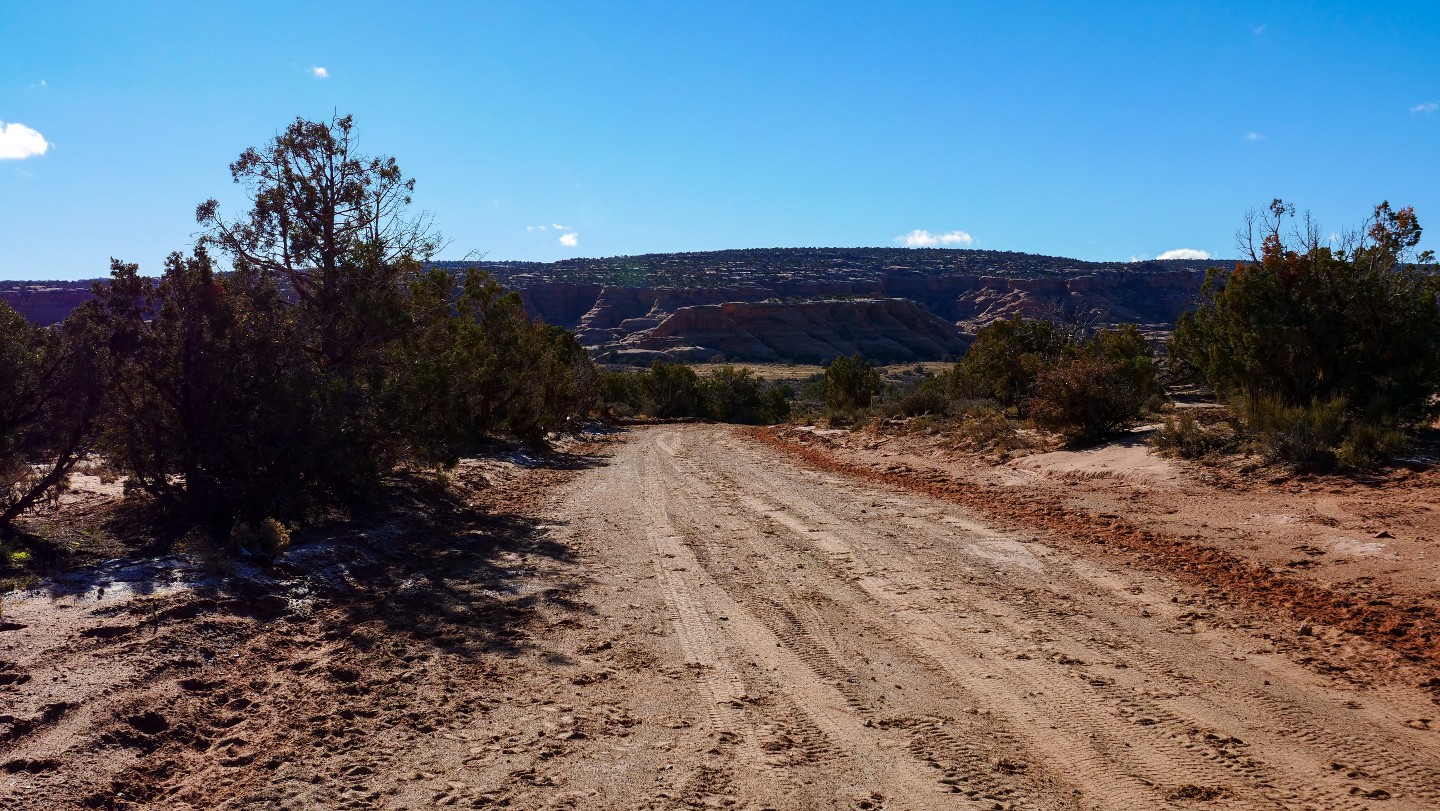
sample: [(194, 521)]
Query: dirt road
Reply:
[(835, 645), (699, 622)]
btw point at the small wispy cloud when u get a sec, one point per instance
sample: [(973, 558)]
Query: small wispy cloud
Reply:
[(1255, 136), (18, 142), (559, 227), (319, 72), (40, 85), (570, 240), (1184, 253), (1257, 30), (1426, 107), (535, 228), (920, 238)]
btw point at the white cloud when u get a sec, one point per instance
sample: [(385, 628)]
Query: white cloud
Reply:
[(1184, 253), (1255, 136), (559, 227), (1426, 107), (18, 142), (319, 72), (920, 238), (570, 240), (1258, 30)]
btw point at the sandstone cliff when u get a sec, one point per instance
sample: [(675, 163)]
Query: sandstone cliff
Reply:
[(806, 303)]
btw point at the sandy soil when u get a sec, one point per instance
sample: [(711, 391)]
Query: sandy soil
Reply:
[(688, 617)]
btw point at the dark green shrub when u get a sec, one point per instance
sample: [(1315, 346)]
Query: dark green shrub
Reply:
[(212, 406), (1308, 339), (49, 398), (850, 384), (1184, 436), (1004, 359), (672, 390)]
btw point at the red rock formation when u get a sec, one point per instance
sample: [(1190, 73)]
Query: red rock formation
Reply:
[(888, 330)]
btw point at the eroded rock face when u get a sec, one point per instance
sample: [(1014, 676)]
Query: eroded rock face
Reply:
[(887, 330), (798, 304), (44, 305)]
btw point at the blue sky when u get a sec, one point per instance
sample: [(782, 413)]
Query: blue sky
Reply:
[(1062, 128)]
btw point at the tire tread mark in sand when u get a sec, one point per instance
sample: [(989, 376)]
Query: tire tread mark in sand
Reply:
[(1380, 762), (1178, 763), (1383, 763), (965, 768)]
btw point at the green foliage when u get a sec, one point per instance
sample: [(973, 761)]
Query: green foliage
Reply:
[(986, 429), (1185, 437), (850, 384), (929, 398), (233, 402), (1004, 360), (1097, 387), (1308, 338), (1301, 435), (672, 390), (49, 397), (471, 365), (211, 405)]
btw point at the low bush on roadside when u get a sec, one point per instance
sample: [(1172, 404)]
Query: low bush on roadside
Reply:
[(851, 383), (988, 430), (1184, 436), (1327, 349), (1090, 395)]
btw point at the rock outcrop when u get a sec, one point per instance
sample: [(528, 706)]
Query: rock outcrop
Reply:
[(798, 304), (886, 330)]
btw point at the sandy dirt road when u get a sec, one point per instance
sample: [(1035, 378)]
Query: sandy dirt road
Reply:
[(696, 621), (835, 645)]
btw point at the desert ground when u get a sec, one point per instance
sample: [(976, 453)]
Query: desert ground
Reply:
[(699, 616)]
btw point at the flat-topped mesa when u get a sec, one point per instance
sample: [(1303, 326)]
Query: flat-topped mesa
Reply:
[(887, 330), (632, 305)]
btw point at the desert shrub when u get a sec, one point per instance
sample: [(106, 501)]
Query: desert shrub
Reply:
[(1369, 445), (49, 398), (1096, 387), (1301, 435), (672, 390), (775, 403), (851, 384), (1084, 397), (1185, 437), (731, 394), (987, 429), (267, 539), (928, 398), (211, 406), (1004, 360), (471, 365), (1308, 338), (621, 391)]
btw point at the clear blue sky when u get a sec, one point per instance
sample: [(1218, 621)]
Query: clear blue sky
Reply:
[(1083, 130)]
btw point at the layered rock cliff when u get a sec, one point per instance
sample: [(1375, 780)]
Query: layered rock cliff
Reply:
[(886, 330), (799, 304)]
